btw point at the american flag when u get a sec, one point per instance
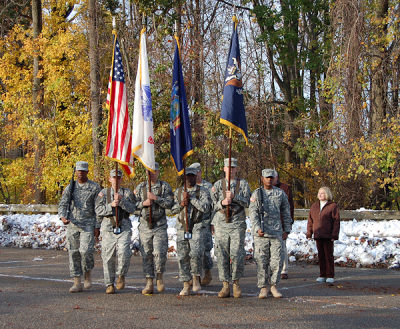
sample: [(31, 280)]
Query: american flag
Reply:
[(119, 136)]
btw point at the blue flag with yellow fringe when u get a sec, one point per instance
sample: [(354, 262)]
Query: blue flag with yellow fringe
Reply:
[(180, 132), (233, 112)]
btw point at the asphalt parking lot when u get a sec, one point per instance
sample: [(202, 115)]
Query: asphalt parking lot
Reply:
[(34, 286)]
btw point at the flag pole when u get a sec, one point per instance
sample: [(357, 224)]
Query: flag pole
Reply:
[(187, 233), (228, 217)]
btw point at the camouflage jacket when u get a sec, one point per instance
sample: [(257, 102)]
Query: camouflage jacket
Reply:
[(105, 213), (275, 204), (241, 199), (207, 216), (165, 200), (202, 204), (82, 211)]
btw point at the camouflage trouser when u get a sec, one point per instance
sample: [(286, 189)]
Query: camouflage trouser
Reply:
[(111, 246), (80, 244), (153, 247), (285, 265), (229, 246), (208, 245), (268, 253), (190, 253)]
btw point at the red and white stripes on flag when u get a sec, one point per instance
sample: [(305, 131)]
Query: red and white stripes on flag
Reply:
[(119, 135)]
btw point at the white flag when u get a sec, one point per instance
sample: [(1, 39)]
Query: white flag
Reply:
[(142, 127)]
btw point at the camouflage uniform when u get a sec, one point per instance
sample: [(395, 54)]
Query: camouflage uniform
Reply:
[(80, 231), (208, 262), (229, 237), (190, 252), (154, 242), (112, 242), (268, 249)]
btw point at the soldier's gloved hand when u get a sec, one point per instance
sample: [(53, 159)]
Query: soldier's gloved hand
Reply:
[(65, 221), (226, 202), (96, 235), (230, 195), (151, 196), (184, 202), (284, 235), (186, 196), (260, 233), (148, 203)]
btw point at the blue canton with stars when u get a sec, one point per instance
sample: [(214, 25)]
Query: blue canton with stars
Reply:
[(118, 71)]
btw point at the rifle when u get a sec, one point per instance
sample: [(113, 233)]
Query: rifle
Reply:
[(261, 210), (71, 192)]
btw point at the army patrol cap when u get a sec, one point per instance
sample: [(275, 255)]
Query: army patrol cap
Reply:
[(233, 162), (196, 165), (268, 173), (82, 165), (191, 171), (112, 173)]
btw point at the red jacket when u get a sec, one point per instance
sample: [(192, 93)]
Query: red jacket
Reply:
[(325, 224)]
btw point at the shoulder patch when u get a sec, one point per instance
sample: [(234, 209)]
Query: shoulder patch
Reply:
[(213, 189), (252, 199), (101, 195)]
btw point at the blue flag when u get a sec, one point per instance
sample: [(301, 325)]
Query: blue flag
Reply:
[(180, 133), (232, 112)]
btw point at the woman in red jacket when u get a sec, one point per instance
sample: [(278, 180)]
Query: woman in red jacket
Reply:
[(324, 223)]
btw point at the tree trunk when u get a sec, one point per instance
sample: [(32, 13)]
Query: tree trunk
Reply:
[(37, 98), (94, 80)]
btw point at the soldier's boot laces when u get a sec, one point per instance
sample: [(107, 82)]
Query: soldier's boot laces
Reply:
[(120, 282), (275, 292), (110, 289), (77, 287), (160, 282), (225, 291), (149, 289), (263, 293), (88, 280), (237, 291), (186, 289), (207, 278), (196, 283)]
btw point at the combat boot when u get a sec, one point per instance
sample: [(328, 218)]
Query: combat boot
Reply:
[(160, 283), (196, 283), (77, 287), (207, 278), (237, 291), (110, 289), (186, 289), (88, 280), (120, 282), (149, 289), (263, 293), (275, 292), (225, 291)]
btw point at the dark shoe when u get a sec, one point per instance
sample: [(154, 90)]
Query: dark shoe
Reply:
[(284, 276)]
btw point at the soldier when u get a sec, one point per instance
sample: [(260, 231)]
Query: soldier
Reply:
[(288, 191), (230, 230), (272, 203), (190, 251), (153, 237), (82, 227), (208, 262), (106, 202)]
